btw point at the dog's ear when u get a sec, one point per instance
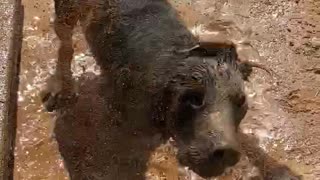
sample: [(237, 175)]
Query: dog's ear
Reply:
[(246, 67), (245, 71), (206, 48), (210, 42)]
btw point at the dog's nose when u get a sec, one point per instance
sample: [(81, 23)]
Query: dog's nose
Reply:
[(227, 155)]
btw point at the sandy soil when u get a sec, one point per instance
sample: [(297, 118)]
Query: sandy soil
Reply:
[(280, 134)]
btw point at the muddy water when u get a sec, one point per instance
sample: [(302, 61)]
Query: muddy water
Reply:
[(36, 152), (84, 138)]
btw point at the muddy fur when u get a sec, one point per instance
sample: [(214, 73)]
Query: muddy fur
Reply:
[(196, 97)]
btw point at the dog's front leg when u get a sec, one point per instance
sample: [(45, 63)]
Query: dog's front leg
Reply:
[(59, 90)]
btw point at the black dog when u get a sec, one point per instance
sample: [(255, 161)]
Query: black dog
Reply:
[(196, 95)]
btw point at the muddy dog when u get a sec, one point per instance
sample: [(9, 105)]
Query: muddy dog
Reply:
[(193, 91)]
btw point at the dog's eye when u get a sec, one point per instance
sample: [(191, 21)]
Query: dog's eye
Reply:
[(192, 98), (239, 100), (242, 100)]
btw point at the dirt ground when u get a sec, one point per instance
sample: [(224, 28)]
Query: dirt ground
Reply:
[(280, 134)]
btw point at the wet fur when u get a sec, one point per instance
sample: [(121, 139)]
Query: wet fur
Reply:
[(138, 45)]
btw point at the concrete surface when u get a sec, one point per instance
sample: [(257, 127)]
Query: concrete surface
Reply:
[(10, 43)]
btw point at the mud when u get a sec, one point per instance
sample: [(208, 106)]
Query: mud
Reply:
[(280, 134)]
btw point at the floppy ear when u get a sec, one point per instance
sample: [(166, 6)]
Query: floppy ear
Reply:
[(209, 42), (245, 68), (208, 45), (245, 71)]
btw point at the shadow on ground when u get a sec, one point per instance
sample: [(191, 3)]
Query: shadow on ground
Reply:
[(268, 167), (95, 145)]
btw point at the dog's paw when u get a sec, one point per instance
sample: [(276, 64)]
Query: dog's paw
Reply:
[(55, 101), (56, 95)]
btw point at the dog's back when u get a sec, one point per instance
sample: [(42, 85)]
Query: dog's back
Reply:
[(126, 30)]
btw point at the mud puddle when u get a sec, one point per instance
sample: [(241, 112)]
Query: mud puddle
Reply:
[(272, 134)]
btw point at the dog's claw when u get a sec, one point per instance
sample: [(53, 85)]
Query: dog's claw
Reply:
[(57, 101)]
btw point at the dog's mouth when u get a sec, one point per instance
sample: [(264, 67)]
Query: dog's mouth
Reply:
[(204, 169), (207, 163)]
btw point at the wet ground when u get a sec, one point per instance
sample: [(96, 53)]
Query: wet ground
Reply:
[(280, 134)]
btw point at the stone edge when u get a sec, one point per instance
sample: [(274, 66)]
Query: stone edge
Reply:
[(7, 140)]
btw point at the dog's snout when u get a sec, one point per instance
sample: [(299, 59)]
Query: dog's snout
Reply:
[(213, 162), (226, 155)]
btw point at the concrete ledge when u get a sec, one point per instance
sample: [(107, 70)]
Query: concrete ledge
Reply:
[(11, 27)]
